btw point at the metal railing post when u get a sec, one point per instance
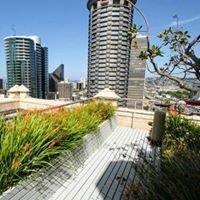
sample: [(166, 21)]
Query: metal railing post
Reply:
[(132, 116)]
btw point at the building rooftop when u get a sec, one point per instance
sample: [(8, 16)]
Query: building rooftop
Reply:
[(18, 88), (107, 94)]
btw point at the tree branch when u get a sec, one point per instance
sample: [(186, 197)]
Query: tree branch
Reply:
[(182, 84), (191, 44)]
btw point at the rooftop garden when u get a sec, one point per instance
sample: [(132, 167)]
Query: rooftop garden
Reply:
[(31, 142)]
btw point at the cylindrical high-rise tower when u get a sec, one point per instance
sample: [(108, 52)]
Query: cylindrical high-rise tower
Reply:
[(109, 45)]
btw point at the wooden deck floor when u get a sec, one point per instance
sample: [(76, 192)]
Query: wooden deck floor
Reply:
[(107, 173), (104, 176)]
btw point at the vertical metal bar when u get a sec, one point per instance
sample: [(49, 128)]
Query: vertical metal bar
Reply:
[(142, 104), (132, 119)]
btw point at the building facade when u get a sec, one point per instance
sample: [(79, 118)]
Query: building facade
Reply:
[(137, 69), (64, 90), (45, 75), (24, 63), (55, 77), (109, 46), (1, 84)]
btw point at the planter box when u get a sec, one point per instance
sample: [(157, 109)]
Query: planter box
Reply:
[(92, 142), (46, 182)]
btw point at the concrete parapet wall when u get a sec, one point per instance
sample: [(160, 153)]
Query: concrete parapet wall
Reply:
[(140, 118), (134, 118), (9, 105), (92, 142)]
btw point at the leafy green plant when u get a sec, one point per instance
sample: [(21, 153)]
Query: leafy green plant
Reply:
[(175, 173), (180, 130), (176, 178)]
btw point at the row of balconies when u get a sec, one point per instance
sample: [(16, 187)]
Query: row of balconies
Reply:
[(109, 42), (18, 48), (108, 24), (20, 45), (108, 29), (114, 11), (111, 18), (110, 7), (111, 45)]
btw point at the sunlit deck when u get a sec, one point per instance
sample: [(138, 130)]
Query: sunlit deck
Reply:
[(104, 175)]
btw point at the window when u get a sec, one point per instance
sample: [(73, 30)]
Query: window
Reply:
[(116, 1), (126, 3), (95, 6), (104, 2)]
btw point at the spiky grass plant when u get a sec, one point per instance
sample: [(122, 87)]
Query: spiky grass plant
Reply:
[(30, 142)]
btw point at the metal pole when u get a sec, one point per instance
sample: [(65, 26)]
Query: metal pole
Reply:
[(132, 120), (143, 16)]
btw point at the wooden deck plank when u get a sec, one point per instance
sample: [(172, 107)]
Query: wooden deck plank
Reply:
[(91, 170), (130, 168), (104, 183), (88, 189), (92, 162), (34, 194), (116, 185)]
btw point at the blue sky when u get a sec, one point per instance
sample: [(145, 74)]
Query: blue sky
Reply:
[(63, 26)]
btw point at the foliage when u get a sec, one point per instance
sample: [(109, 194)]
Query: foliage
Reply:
[(182, 133), (133, 30), (176, 172), (31, 142), (177, 94), (177, 178), (180, 53), (102, 110)]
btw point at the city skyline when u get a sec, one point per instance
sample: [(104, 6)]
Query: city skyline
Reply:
[(73, 52)]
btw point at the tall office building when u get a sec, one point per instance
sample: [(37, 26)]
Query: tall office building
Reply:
[(45, 75), (56, 77), (24, 63), (1, 84), (20, 60), (84, 82), (109, 45), (137, 71)]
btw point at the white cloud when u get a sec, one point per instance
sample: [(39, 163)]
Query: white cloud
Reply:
[(186, 21)]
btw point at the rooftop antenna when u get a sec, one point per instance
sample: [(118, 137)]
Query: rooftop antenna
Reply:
[(177, 20), (13, 30)]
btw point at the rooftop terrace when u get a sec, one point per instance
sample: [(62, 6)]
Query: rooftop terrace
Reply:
[(103, 167)]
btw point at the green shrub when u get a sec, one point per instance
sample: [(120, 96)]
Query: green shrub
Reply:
[(31, 142), (176, 174), (103, 110), (180, 130), (176, 178)]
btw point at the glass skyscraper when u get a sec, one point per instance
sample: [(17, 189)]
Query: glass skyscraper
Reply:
[(25, 63)]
